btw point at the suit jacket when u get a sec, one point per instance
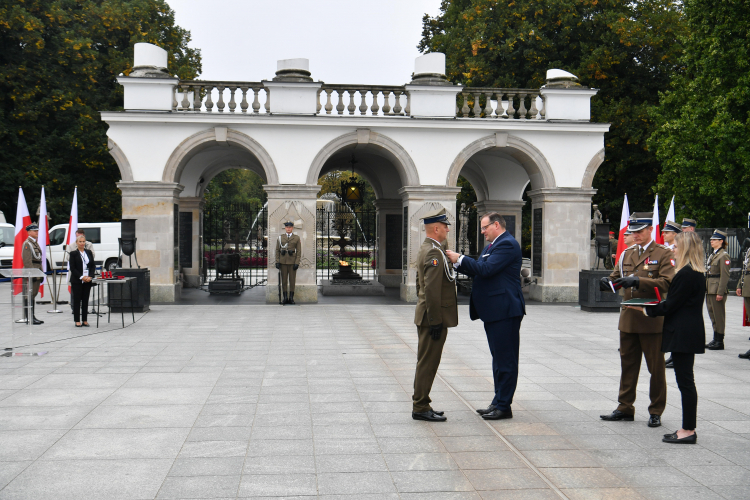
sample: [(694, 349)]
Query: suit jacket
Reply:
[(683, 313), (293, 246), (436, 293), (496, 291), (655, 268), (717, 273), (76, 266)]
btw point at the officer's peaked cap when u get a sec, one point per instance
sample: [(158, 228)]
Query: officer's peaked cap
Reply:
[(32, 227), (640, 220), (719, 235), (688, 223), (438, 216), (288, 223), (672, 227)]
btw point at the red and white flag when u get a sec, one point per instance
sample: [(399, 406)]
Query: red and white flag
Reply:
[(43, 237), (670, 212), (72, 228), (655, 229), (23, 219), (623, 227)]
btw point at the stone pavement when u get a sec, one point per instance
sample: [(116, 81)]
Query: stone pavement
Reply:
[(314, 401)]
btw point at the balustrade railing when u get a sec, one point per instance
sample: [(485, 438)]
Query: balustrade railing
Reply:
[(395, 100), (477, 102), (207, 96)]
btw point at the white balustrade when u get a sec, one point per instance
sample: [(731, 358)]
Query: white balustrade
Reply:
[(520, 104), (221, 97)]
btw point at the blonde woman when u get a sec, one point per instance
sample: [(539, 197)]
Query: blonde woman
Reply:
[(684, 334)]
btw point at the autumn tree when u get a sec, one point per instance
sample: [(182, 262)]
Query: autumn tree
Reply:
[(58, 63), (703, 124), (628, 50)]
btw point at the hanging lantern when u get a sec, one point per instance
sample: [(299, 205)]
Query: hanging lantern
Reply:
[(352, 191)]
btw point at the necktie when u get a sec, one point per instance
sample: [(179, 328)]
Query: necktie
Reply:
[(640, 251)]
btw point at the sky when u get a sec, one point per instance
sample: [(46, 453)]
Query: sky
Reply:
[(346, 41)]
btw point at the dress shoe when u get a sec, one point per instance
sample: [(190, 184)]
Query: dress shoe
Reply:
[(744, 356), (38, 322), (439, 413), (428, 415), (715, 345), (654, 421), (672, 438), (487, 410), (86, 325), (498, 414), (617, 415)]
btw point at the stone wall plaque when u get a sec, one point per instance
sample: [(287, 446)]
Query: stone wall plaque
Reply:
[(393, 242), (510, 224), (186, 239), (536, 242)]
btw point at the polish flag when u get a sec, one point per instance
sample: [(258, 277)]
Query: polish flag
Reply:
[(623, 227), (655, 230), (670, 212), (23, 219), (43, 237), (72, 228)]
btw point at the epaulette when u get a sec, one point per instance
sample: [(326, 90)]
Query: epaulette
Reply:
[(631, 246), (663, 246)]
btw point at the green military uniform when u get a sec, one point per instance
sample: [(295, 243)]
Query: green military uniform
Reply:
[(640, 335), (745, 293), (436, 305), (717, 279), (31, 254), (288, 254)]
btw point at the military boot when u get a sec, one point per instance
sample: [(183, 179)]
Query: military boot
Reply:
[(286, 299), (715, 345), (291, 297)]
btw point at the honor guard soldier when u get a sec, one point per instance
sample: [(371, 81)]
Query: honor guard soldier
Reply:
[(743, 290), (644, 266), (671, 229), (31, 254), (436, 311), (717, 279), (288, 255), (689, 225)]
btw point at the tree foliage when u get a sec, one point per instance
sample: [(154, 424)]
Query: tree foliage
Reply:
[(703, 123), (627, 50), (58, 64), (236, 186)]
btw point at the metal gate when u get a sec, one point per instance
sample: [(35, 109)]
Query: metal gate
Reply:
[(236, 228), (345, 234), (466, 241)]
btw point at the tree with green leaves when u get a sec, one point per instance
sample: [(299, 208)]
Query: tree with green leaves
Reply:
[(236, 186), (59, 60), (628, 50), (703, 124)]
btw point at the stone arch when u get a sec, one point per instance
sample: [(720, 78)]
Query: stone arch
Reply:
[(591, 168), (532, 160), (122, 161), (196, 142), (395, 152)]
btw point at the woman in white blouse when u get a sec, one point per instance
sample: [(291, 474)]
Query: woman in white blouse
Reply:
[(82, 270)]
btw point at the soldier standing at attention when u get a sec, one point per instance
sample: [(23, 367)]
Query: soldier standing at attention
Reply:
[(688, 225), (743, 290), (645, 265), (717, 279), (437, 310), (31, 254), (288, 255), (671, 229)]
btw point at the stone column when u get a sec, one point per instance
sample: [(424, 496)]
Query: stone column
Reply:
[(295, 202), (194, 205), (155, 205), (419, 201), (565, 241), (504, 208), (389, 276)]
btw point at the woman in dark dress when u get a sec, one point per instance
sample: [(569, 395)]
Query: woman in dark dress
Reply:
[(684, 334), (82, 271)]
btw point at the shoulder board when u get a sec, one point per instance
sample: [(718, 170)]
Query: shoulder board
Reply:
[(630, 247), (662, 246)]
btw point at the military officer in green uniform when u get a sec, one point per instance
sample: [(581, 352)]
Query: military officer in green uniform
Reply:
[(743, 290), (288, 255), (31, 254), (689, 225), (717, 279), (436, 311), (644, 266)]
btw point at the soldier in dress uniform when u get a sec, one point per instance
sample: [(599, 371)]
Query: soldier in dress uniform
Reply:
[(644, 266), (717, 279), (31, 254), (288, 255), (743, 290), (689, 225), (671, 229), (437, 310)]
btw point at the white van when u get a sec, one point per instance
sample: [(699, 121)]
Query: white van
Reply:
[(7, 235), (103, 235)]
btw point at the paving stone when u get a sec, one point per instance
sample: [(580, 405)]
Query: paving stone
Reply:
[(24, 445), (276, 485), (355, 483), (131, 417), (199, 487), (224, 466)]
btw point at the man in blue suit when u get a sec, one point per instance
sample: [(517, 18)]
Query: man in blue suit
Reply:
[(497, 299)]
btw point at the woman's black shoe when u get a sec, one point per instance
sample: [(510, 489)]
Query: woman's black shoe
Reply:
[(86, 325), (744, 356), (672, 438), (79, 326)]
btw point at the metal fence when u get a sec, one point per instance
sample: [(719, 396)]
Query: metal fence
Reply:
[(348, 234), (237, 228)]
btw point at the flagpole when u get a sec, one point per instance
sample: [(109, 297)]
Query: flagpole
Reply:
[(48, 252)]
